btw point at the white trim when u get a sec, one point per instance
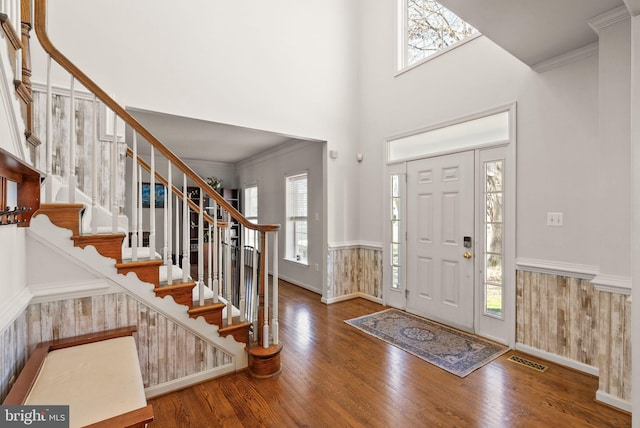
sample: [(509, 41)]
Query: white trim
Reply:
[(11, 309), (609, 18), (558, 359), (299, 284), (186, 381), (552, 267), (633, 6), (613, 401), (352, 296), (566, 58), (434, 55), (296, 143), (612, 283), (71, 290), (340, 245)]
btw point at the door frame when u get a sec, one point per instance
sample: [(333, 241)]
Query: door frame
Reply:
[(483, 325)]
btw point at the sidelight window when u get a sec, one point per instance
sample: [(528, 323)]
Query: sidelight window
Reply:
[(494, 238)]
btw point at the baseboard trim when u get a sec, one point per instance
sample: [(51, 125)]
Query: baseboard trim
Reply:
[(71, 290), (613, 401), (558, 359), (299, 284), (351, 296), (184, 382)]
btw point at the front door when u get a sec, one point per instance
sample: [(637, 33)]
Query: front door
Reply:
[(440, 224)]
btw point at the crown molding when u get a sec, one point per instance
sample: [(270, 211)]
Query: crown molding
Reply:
[(609, 18), (566, 58)]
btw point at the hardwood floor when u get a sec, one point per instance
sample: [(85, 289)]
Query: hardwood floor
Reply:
[(336, 376)]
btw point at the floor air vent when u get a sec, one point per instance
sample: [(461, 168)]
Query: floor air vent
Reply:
[(531, 364)]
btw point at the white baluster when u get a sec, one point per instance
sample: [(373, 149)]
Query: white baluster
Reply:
[(167, 227), (71, 165), (265, 328), (220, 267), (135, 185), (115, 210), (209, 256), (152, 217), (242, 302), (216, 248), (254, 283), (140, 227), (177, 229), (49, 137), (201, 248), (165, 243), (274, 309), (228, 275), (94, 170), (186, 224)]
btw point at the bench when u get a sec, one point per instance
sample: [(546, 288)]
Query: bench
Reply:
[(97, 375)]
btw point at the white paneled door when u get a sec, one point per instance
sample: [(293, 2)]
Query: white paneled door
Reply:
[(440, 225)]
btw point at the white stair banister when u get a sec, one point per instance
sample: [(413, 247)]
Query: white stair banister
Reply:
[(139, 214), (167, 227), (215, 286), (254, 283), (186, 224), (242, 302), (71, 165), (115, 210), (49, 137), (265, 328), (94, 169), (201, 249), (274, 309), (135, 186), (228, 274), (152, 211)]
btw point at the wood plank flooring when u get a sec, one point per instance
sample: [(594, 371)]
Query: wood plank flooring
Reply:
[(336, 376)]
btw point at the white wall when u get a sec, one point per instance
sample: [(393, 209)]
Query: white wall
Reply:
[(557, 130), (268, 171), (282, 66)]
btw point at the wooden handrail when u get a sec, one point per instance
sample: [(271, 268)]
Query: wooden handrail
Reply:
[(40, 18)]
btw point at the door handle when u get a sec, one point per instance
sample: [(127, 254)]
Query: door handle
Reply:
[(467, 255)]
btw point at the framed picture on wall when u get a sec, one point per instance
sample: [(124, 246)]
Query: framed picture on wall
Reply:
[(146, 195)]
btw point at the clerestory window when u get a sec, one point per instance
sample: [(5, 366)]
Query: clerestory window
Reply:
[(427, 27)]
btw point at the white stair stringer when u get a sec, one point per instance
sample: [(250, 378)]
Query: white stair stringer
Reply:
[(58, 239)]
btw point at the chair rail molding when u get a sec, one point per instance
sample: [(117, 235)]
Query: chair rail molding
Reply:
[(612, 283), (553, 267)]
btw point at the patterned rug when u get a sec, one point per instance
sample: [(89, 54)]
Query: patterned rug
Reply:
[(450, 349)]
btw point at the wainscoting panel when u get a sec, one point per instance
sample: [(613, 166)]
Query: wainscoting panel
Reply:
[(13, 353), (354, 269), (166, 350), (85, 136), (568, 317)]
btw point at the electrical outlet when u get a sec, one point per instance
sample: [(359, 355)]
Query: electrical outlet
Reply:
[(555, 219)]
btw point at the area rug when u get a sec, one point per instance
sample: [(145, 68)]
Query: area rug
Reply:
[(457, 352)]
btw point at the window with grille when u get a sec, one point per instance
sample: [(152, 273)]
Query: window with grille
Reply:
[(297, 240), (251, 212)]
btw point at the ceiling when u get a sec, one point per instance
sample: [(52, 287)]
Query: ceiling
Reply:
[(208, 141), (534, 31)]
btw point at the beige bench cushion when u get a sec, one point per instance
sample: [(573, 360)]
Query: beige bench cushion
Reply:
[(97, 380)]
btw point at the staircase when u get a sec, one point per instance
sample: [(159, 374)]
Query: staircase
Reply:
[(103, 209)]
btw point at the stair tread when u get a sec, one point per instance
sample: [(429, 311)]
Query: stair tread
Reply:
[(129, 263)]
